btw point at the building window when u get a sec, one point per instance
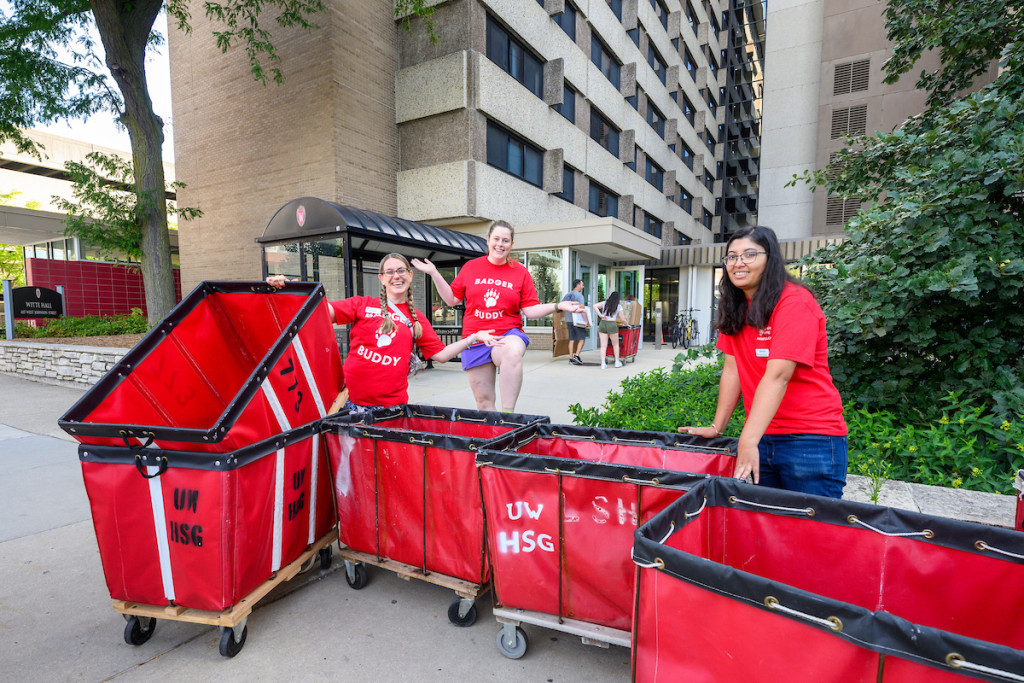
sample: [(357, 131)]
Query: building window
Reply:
[(568, 192), (682, 240), (655, 175), (690, 63), (513, 58), (712, 105), (603, 132), (652, 226), (708, 219), (686, 154), (603, 201), (634, 35), (709, 141), (685, 201), (634, 100), (568, 106), (691, 17), (657, 63), (713, 65), (851, 77), (714, 24), (545, 268), (567, 21), (661, 12), (512, 154), (839, 211), (616, 6), (850, 121), (603, 60), (689, 111), (656, 119), (709, 181)]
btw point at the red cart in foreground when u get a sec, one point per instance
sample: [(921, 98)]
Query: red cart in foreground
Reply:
[(408, 497), (629, 342), (746, 583), (562, 504)]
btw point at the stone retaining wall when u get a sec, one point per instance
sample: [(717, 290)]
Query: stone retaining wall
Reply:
[(65, 365)]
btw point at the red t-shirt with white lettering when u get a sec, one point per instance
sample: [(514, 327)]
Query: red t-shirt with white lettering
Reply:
[(493, 295), (377, 366), (795, 331)]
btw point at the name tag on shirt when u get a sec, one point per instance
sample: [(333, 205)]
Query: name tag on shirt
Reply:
[(761, 353)]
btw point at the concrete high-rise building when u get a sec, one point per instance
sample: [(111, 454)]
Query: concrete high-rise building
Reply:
[(604, 130)]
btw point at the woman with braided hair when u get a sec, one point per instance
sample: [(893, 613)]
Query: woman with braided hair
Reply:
[(385, 330)]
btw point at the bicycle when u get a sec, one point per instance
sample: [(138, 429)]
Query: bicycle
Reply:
[(684, 329)]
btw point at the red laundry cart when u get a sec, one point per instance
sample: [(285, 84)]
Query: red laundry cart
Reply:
[(629, 341), (232, 364), (408, 497), (202, 537), (562, 504), (747, 583)]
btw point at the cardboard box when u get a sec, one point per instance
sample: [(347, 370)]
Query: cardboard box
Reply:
[(559, 334), (634, 312)]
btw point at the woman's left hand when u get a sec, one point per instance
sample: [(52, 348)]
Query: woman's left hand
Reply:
[(488, 338), (570, 307), (748, 460)]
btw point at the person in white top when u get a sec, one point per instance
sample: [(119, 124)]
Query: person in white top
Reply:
[(610, 316)]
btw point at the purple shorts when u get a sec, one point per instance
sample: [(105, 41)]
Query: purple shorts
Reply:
[(480, 354)]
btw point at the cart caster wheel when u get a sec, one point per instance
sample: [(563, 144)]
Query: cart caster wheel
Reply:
[(229, 647), (518, 649), (326, 558), (467, 619), (355, 575), (136, 633)]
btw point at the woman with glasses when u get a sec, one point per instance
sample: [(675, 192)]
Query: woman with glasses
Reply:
[(498, 291), (772, 332), (385, 330)]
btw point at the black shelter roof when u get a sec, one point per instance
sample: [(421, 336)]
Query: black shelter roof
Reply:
[(309, 218)]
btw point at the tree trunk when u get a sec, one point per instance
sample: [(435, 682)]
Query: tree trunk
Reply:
[(124, 27)]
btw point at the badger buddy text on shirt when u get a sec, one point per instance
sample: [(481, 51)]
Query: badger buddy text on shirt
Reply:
[(377, 365), (494, 295)]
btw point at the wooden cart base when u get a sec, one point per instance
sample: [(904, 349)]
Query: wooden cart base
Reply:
[(141, 617), (512, 640), (461, 612)]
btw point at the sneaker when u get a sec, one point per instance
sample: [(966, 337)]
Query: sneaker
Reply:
[(576, 360), (618, 363), (603, 365)]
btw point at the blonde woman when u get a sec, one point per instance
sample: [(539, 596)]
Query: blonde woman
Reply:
[(385, 330)]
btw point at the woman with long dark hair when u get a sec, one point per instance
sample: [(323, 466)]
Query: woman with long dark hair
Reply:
[(772, 332), (610, 316)]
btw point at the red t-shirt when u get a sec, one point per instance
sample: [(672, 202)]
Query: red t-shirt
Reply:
[(796, 331), (377, 367), (494, 295)]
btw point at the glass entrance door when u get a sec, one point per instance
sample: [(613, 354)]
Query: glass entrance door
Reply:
[(661, 293)]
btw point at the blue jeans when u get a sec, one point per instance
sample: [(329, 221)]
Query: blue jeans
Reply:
[(810, 463)]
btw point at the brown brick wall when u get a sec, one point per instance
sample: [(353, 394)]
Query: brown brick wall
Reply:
[(245, 149)]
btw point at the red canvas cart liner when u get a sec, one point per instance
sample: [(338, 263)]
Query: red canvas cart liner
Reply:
[(202, 530), (746, 583), (629, 340), (234, 363), (1018, 484), (406, 485), (560, 528)]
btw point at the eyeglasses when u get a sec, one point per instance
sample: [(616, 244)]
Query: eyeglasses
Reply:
[(396, 271), (746, 257)]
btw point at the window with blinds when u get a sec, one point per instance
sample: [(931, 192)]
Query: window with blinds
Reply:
[(851, 77), (850, 121)]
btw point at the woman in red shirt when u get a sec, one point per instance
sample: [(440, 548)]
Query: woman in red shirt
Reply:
[(776, 357), (498, 292), (384, 331)]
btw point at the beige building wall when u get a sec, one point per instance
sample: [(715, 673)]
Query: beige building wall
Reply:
[(245, 149)]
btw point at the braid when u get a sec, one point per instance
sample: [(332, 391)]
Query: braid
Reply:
[(417, 329), (386, 323)]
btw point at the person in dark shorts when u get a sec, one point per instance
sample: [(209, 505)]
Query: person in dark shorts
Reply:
[(577, 333)]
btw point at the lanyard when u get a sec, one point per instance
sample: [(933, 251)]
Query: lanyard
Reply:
[(400, 315)]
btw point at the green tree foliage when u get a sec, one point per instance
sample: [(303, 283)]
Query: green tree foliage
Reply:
[(53, 69), (105, 213), (926, 295)]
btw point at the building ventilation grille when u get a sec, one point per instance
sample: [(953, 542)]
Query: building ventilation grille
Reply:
[(851, 77), (849, 121), (839, 211)]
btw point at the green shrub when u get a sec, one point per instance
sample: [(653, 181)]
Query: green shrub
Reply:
[(967, 446), (660, 401), (87, 326)]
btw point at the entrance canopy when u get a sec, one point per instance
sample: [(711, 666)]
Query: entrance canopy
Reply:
[(312, 239)]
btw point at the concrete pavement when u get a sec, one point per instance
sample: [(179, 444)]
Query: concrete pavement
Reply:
[(57, 623)]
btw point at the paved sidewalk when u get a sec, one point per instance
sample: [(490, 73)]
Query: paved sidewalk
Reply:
[(56, 621)]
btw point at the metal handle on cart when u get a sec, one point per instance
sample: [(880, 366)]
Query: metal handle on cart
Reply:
[(578, 437), (640, 442), (431, 417), (982, 545), (831, 623), (803, 511), (469, 419), (556, 470), (631, 480), (425, 442), (141, 468)]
